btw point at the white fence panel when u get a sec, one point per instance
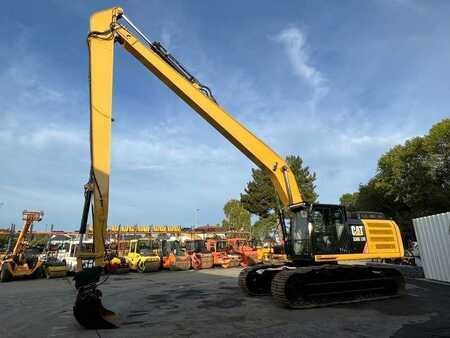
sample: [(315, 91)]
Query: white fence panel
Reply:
[(433, 237)]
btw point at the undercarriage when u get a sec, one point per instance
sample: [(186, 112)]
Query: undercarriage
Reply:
[(321, 285)]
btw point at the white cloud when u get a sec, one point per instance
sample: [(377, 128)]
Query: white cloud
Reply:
[(383, 140), (32, 88), (54, 135), (164, 147), (35, 136), (294, 42)]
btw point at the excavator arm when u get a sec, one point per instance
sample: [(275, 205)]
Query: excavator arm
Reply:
[(105, 31), (107, 28)]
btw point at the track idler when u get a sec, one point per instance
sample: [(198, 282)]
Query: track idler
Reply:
[(256, 280), (88, 309)]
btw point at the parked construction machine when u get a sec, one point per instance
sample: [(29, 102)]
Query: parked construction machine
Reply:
[(116, 264), (20, 263), (271, 253), (243, 247), (173, 256), (198, 254), (53, 266), (115, 261), (143, 255), (221, 252), (317, 236)]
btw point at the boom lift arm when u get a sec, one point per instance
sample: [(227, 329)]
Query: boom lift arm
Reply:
[(28, 218)]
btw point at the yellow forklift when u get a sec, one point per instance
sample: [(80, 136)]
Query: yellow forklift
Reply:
[(20, 263)]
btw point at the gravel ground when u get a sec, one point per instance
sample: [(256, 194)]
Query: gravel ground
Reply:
[(208, 303)]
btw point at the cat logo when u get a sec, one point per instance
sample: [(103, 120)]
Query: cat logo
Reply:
[(358, 233), (357, 230)]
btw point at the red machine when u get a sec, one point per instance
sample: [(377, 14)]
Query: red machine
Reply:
[(220, 251), (200, 257), (244, 248), (173, 257)]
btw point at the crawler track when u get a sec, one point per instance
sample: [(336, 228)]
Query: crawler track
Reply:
[(256, 280), (326, 285)]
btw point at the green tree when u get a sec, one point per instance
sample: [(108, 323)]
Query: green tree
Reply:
[(437, 144), (265, 227), (305, 178), (40, 241), (259, 196), (236, 217), (3, 241), (412, 179), (349, 200)]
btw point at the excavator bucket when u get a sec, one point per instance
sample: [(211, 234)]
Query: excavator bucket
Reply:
[(88, 309)]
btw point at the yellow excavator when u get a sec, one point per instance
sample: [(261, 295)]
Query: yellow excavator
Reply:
[(316, 236)]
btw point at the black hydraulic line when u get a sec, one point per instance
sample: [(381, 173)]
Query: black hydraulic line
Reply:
[(85, 215), (159, 49)]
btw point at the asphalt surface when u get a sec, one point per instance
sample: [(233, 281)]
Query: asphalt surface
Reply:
[(209, 303)]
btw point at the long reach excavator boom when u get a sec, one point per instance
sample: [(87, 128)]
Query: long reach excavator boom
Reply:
[(309, 240)]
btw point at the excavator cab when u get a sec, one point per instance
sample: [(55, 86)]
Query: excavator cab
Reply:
[(316, 229), (325, 233)]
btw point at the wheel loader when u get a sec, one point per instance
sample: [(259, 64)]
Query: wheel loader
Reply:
[(317, 237)]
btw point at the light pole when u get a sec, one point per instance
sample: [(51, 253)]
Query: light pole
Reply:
[(196, 217)]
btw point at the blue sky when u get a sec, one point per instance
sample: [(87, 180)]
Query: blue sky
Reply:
[(336, 82)]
